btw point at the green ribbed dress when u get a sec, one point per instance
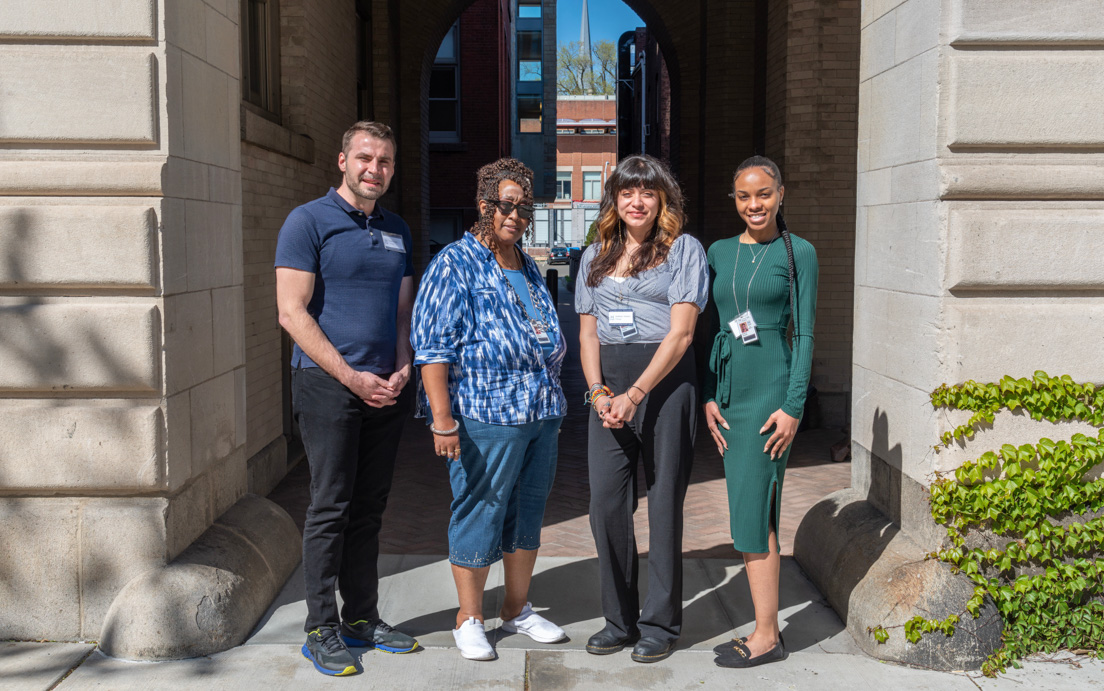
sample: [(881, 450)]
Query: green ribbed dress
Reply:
[(749, 381)]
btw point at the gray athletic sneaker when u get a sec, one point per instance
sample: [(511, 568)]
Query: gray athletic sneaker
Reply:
[(363, 634), (327, 651)]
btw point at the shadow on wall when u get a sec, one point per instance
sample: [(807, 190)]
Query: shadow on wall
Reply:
[(845, 534), (47, 437), (868, 527), (885, 469)]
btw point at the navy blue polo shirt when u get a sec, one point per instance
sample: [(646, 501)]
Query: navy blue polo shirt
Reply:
[(356, 276)]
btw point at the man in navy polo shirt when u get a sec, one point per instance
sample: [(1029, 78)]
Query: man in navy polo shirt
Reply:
[(345, 289)]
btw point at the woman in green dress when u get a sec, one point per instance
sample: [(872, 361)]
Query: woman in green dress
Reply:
[(764, 279)]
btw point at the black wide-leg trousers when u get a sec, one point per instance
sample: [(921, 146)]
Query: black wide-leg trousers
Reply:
[(661, 439), (351, 449)]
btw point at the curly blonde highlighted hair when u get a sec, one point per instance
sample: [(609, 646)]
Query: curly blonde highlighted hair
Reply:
[(489, 178), (649, 173)]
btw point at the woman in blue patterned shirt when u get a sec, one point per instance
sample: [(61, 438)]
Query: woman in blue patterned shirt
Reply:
[(487, 338)]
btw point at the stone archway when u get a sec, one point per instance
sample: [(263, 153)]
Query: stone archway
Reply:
[(731, 97)]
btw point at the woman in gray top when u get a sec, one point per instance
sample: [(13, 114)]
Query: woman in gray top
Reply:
[(639, 291)]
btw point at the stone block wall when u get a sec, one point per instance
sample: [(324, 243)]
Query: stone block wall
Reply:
[(122, 389), (978, 229)]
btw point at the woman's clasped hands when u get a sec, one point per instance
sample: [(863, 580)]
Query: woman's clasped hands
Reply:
[(616, 411)]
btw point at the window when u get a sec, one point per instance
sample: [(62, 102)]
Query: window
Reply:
[(590, 216), (563, 185), (592, 185), (529, 56), (566, 131), (541, 227), (529, 113), (444, 227), (444, 91), (260, 54), (563, 227), (529, 9)]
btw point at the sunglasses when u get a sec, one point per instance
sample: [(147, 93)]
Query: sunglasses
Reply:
[(525, 211)]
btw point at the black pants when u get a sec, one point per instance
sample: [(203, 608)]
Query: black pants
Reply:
[(661, 435), (351, 450)]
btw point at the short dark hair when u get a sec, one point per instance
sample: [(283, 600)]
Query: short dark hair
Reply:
[(372, 129)]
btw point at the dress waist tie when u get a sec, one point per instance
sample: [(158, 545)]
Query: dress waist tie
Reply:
[(719, 359)]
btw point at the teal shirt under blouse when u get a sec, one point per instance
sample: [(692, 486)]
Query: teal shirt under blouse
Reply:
[(518, 281)]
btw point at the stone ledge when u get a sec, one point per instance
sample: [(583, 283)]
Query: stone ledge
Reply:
[(1022, 178), (62, 178), (103, 20), (260, 131), (210, 597), (872, 574)]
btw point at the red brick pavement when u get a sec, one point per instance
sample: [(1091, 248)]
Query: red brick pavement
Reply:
[(417, 515)]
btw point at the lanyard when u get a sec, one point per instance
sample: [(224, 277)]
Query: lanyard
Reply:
[(547, 321), (747, 296)]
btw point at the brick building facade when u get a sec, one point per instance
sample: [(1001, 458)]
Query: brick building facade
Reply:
[(586, 153)]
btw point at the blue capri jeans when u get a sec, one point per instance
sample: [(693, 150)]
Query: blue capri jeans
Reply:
[(499, 487)]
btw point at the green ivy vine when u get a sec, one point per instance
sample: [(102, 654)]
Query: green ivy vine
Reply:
[(1047, 581)]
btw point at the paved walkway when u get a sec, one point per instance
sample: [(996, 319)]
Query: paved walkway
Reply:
[(417, 596)]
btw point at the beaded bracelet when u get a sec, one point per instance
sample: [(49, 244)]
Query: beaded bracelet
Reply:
[(595, 392)]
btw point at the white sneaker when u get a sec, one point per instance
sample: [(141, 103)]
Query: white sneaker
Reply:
[(534, 626), (471, 640)]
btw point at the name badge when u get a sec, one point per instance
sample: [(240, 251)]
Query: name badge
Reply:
[(541, 333), (744, 326), (621, 317), (394, 242)]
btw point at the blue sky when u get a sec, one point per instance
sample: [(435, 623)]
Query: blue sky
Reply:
[(608, 20)]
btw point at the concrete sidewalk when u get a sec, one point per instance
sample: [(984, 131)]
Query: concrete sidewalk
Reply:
[(417, 596)]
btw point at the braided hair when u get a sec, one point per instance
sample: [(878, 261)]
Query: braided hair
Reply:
[(771, 169), (488, 178)]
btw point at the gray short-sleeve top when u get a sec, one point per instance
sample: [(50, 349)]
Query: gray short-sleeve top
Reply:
[(683, 277)]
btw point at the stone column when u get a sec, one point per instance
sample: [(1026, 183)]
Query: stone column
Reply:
[(979, 254), (121, 329)]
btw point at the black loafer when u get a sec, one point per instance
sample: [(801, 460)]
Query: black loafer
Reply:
[(607, 642), (649, 649), (740, 657), (728, 645)]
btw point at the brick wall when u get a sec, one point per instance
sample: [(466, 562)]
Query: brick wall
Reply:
[(811, 132), (318, 91)]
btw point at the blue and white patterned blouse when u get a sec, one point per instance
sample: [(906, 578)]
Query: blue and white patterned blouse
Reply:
[(466, 316)]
